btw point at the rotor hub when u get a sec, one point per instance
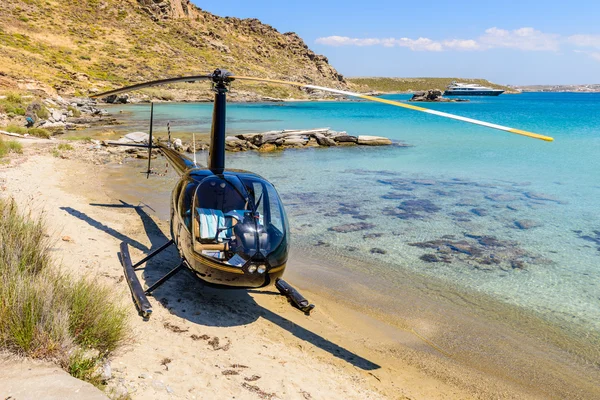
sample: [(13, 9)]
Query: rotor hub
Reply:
[(221, 79)]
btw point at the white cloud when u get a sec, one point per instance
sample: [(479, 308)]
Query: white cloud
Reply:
[(522, 39), (526, 39), (593, 54), (346, 41), (419, 44), (459, 44), (584, 40)]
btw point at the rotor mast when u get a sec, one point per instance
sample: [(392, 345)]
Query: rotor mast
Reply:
[(216, 154)]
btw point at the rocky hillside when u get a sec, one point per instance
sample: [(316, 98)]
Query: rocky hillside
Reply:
[(407, 85), (77, 47)]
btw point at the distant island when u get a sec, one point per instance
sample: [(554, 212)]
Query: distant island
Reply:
[(410, 85), (590, 88)]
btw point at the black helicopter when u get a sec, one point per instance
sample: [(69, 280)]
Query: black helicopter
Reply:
[(229, 226)]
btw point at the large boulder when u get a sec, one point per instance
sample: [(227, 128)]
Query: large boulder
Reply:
[(323, 140), (267, 148), (117, 99), (373, 140), (346, 139), (26, 379), (434, 95), (138, 137), (295, 141), (429, 95)]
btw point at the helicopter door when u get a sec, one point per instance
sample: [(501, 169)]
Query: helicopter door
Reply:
[(217, 207)]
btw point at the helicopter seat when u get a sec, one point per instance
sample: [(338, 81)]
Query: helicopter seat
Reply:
[(213, 225), (206, 226)]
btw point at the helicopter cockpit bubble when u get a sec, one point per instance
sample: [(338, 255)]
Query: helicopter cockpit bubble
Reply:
[(239, 220)]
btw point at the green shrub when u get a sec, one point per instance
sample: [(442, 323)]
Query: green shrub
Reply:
[(12, 104), (159, 94), (43, 113), (65, 147), (21, 130), (39, 132), (14, 98), (85, 369), (45, 313), (76, 138), (75, 111), (10, 146)]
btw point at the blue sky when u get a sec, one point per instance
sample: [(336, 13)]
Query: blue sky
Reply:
[(505, 41)]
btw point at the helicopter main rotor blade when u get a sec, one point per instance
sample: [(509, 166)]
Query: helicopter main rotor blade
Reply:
[(404, 105), (325, 89), (159, 82)]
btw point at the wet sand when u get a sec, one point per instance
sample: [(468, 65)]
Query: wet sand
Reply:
[(412, 338)]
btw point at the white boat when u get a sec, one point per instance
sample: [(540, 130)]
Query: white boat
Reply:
[(470, 89)]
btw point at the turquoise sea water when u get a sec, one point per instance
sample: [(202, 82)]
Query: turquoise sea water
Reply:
[(451, 206)]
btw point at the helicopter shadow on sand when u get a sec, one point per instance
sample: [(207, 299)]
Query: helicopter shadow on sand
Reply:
[(188, 298)]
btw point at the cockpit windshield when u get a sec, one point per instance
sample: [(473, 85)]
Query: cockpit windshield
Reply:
[(237, 220)]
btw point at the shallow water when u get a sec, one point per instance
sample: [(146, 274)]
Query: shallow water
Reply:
[(452, 206)]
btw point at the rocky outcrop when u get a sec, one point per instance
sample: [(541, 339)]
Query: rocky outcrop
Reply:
[(167, 9), (268, 36), (26, 379), (433, 95), (373, 141), (144, 40), (277, 140)]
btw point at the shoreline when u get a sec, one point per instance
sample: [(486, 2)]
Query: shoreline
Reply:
[(293, 356), (433, 335)]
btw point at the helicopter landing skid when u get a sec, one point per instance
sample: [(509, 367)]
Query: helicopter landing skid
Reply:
[(293, 296), (137, 292)]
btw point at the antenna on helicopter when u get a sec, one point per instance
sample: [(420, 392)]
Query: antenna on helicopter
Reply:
[(149, 171), (194, 148), (169, 134)]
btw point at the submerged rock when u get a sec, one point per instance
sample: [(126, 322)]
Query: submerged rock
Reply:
[(349, 211), (357, 226), (480, 252), (526, 224), (376, 250), (482, 212), (542, 197), (426, 182), (420, 205), (397, 196), (395, 212), (372, 235), (430, 258), (500, 197), (595, 238)]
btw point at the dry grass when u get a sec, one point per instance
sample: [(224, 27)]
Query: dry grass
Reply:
[(45, 313), (38, 132), (12, 103), (10, 146)]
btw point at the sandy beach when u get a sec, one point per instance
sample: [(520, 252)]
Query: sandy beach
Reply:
[(206, 343)]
